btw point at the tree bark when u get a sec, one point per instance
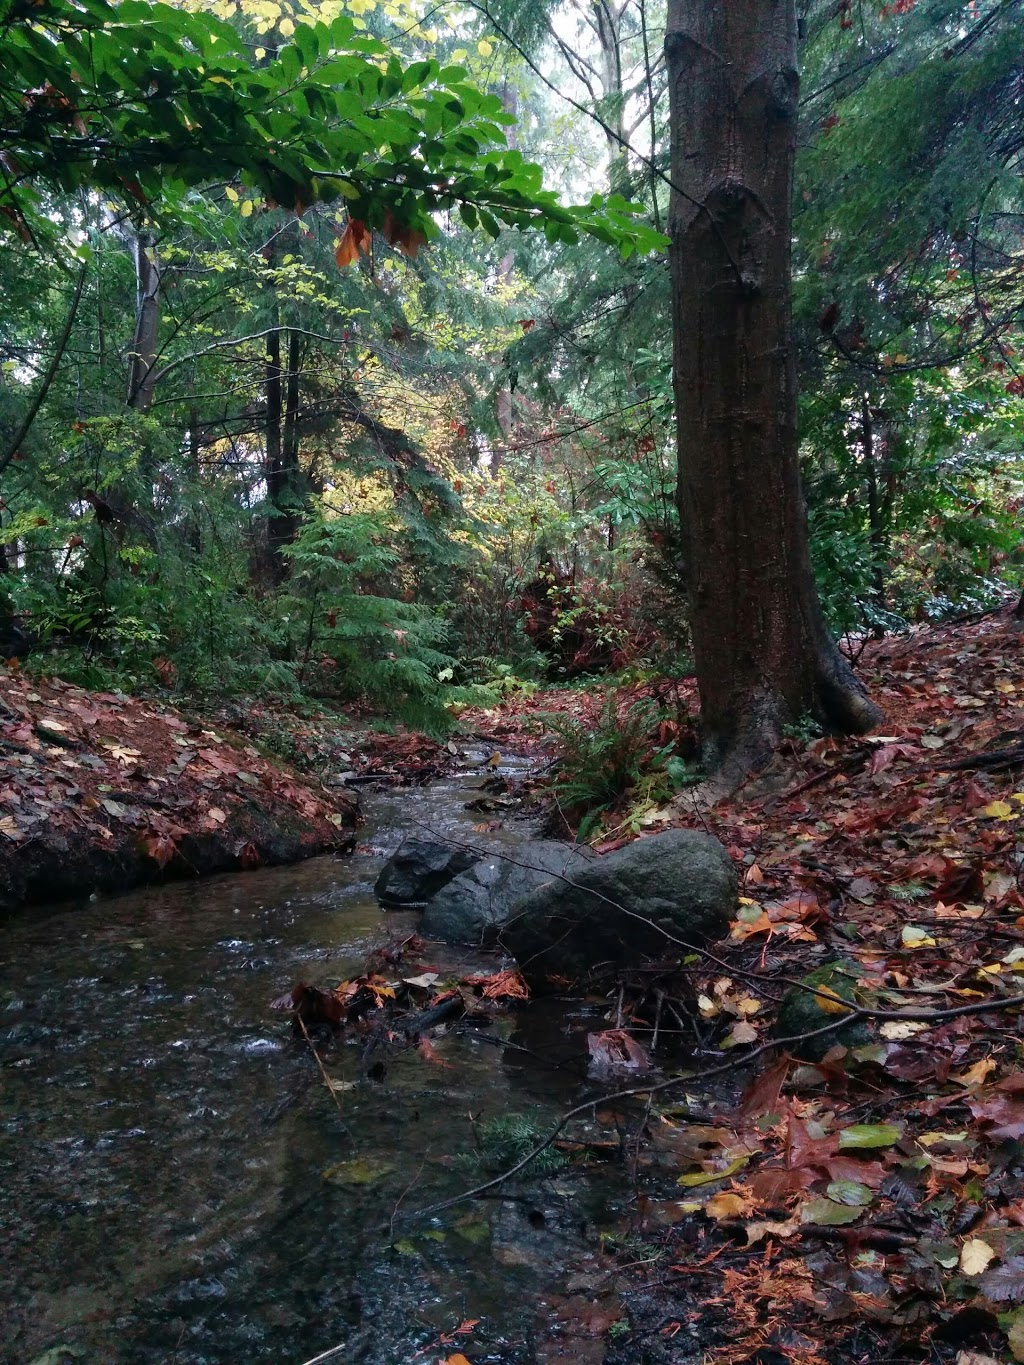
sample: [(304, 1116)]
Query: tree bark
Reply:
[(763, 655), (285, 482), (141, 380)]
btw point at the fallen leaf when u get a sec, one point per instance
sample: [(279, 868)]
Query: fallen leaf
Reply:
[(849, 1192), (997, 810), (867, 1135), (727, 1204), (827, 1213), (975, 1255), (913, 936), (1004, 1283)]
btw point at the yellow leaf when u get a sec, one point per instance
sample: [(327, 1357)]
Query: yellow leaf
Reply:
[(997, 810), (915, 937), (259, 53), (933, 1139), (727, 1204), (975, 1256), (976, 1074), (232, 194), (709, 1177), (247, 208), (286, 27), (484, 47), (829, 1002)]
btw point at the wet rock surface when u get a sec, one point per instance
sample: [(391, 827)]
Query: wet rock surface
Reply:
[(419, 868), (476, 904), (630, 906)]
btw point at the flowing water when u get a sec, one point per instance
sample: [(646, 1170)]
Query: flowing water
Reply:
[(164, 1140)]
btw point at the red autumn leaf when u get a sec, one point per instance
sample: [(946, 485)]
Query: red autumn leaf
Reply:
[(527, 324), (429, 1053), (504, 985), (961, 884), (407, 239), (218, 761)]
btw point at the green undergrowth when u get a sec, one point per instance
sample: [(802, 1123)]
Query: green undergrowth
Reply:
[(612, 773)]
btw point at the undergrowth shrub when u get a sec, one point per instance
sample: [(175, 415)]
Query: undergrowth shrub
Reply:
[(632, 759)]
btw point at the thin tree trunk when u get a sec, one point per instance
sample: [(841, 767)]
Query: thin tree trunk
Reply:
[(285, 483), (273, 394), (763, 654), (25, 425), (876, 516), (141, 375)]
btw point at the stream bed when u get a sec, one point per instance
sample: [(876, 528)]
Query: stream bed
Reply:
[(164, 1139)]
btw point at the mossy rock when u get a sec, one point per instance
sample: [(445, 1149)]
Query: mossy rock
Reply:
[(818, 1001)]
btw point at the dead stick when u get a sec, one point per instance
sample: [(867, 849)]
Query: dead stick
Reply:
[(323, 1070)]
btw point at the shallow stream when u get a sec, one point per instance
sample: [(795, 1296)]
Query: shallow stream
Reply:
[(163, 1139)]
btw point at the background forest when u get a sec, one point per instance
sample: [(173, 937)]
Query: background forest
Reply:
[(256, 442)]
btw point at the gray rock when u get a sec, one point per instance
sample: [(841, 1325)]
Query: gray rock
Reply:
[(476, 903), (419, 869), (682, 883)]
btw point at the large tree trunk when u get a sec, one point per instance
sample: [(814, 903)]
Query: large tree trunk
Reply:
[(763, 654)]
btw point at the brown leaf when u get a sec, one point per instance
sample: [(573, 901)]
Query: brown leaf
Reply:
[(354, 239), (1004, 1283), (614, 1051), (159, 848), (249, 856)]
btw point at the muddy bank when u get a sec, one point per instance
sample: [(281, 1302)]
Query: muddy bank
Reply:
[(101, 792)]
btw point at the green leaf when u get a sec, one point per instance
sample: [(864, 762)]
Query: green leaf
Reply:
[(826, 1213), (696, 1178), (866, 1135), (850, 1192)]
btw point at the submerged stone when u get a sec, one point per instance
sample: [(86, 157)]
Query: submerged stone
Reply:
[(821, 999)]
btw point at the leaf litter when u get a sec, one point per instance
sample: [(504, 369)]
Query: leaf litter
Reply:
[(868, 1204)]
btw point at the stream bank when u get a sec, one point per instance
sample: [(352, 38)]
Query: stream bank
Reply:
[(101, 792)]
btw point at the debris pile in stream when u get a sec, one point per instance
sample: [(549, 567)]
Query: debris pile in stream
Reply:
[(394, 1005)]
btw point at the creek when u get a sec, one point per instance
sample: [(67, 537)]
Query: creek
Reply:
[(163, 1201)]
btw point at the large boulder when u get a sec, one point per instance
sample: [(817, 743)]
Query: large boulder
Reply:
[(419, 869), (476, 903), (622, 909)]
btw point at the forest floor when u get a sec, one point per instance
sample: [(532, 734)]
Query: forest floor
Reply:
[(866, 1204), (859, 1202)]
